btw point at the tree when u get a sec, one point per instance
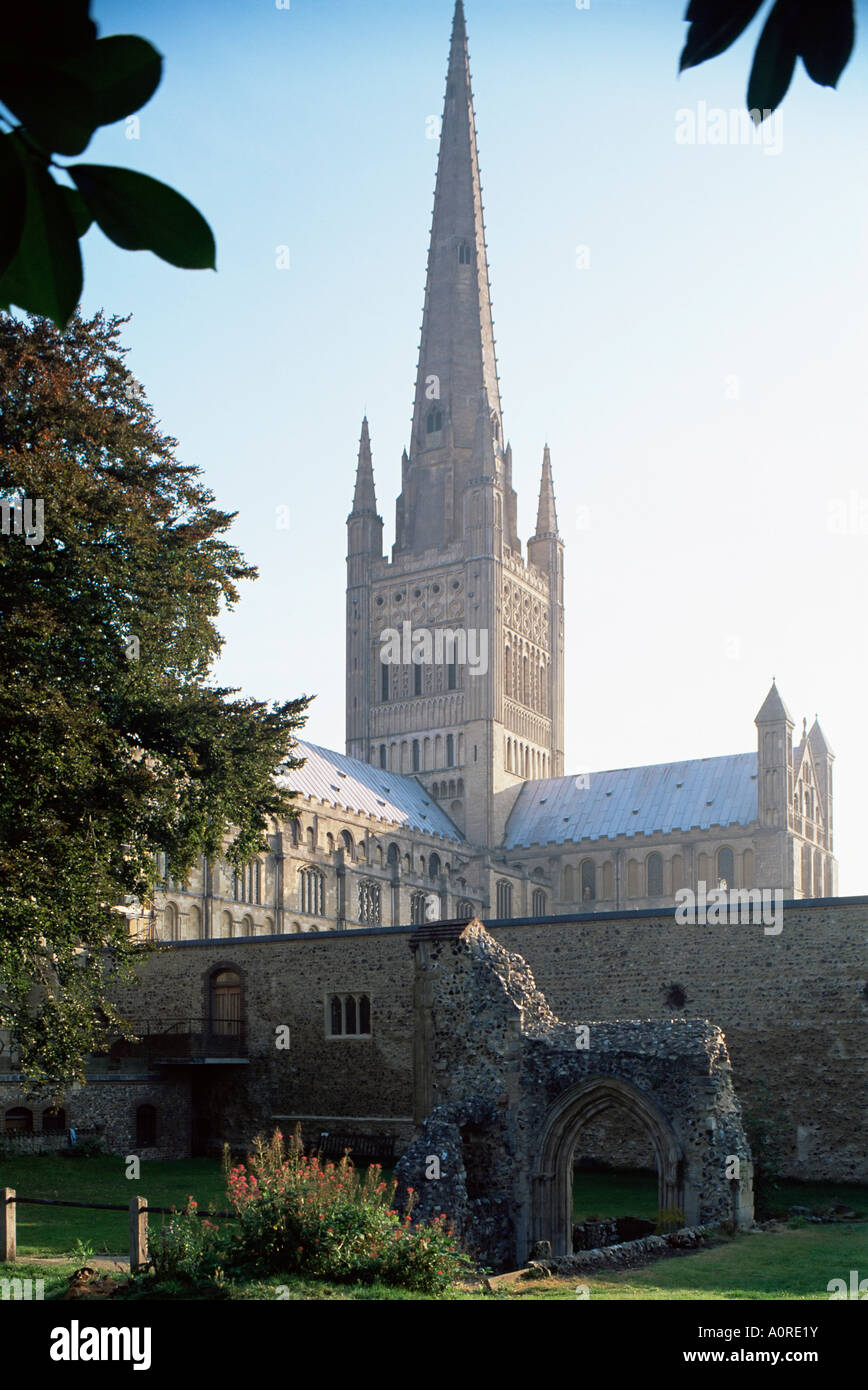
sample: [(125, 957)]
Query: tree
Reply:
[(114, 746), (820, 32), (60, 82)]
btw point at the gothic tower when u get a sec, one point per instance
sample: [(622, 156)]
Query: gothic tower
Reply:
[(455, 645)]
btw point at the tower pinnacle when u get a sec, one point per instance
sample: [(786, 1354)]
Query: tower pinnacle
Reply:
[(365, 497), (546, 516)]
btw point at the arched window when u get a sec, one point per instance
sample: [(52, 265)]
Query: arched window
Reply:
[(311, 843), (146, 1126), (311, 892), (465, 255), (384, 681), (416, 759), (257, 885), (504, 898), (569, 886), (677, 873), (418, 905), (608, 880), (295, 832), (434, 420), (450, 750), (747, 869), (349, 847), (330, 842), (508, 670), (589, 881), (369, 903), (726, 867), (226, 1003), (170, 922), (464, 908), (383, 755), (538, 902), (434, 866), (336, 1015), (350, 1015), (393, 854), (19, 1120), (654, 870), (225, 926)]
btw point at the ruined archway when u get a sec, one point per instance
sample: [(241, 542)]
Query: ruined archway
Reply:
[(503, 1088), (552, 1180)]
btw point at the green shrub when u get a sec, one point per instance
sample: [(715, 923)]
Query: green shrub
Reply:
[(190, 1247), (332, 1222)]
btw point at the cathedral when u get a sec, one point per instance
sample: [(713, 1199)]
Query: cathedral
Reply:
[(451, 799)]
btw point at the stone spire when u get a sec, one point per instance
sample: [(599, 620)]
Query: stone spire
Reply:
[(546, 516), (456, 355), (365, 497)]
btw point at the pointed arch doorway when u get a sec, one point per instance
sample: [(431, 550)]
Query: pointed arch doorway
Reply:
[(552, 1182)]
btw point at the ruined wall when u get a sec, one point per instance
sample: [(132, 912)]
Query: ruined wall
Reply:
[(792, 1007)]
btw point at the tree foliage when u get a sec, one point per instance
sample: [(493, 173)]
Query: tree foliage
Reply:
[(60, 83), (820, 32), (114, 745)]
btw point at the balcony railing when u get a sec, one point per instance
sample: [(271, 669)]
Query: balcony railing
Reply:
[(182, 1039)]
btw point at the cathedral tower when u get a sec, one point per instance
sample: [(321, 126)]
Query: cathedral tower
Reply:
[(455, 645)]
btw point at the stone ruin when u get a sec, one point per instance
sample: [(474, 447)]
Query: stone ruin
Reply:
[(503, 1088)]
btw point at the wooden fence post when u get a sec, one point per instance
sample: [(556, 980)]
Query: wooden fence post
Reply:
[(7, 1224), (138, 1233)]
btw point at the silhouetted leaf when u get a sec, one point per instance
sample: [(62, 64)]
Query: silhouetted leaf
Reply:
[(139, 213), (45, 276), (714, 25), (13, 199), (826, 34), (81, 213), (53, 105), (773, 61), (122, 73), (51, 26)]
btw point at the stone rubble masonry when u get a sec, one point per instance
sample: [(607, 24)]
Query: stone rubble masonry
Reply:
[(510, 1089), (792, 1008)]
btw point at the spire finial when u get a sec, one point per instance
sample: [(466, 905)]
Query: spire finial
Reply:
[(546, 517), (365, 497)]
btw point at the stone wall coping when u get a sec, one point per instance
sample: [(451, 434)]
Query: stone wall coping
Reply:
[(492, 923)]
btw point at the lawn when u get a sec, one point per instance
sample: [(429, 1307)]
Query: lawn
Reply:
[(791, 1262), (783, 1264), (54, 1230)]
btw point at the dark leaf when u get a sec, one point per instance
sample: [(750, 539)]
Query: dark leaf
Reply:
[(13, 199), (714, 25), (825, 39), (52, 26), (773, 61), (81, 213), (54, 106), (45, 276), (139, 213), (122, 73)]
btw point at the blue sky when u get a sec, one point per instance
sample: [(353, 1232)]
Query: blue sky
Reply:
[(698, 371)]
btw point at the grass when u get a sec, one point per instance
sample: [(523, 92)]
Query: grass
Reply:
[(759, 1266), (599, 1195), (793, 1262), (54, 1230)]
